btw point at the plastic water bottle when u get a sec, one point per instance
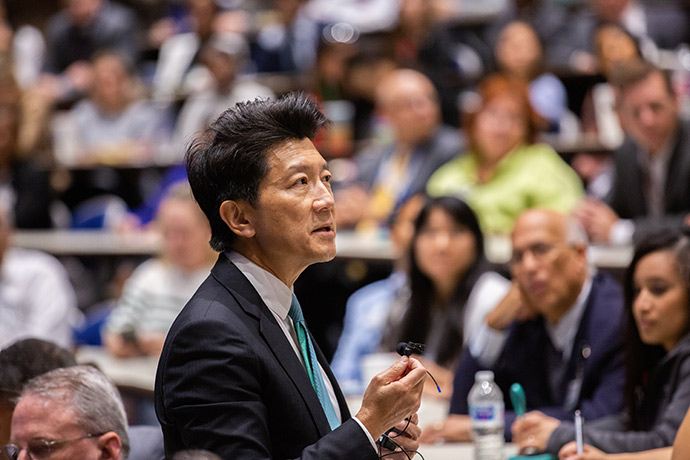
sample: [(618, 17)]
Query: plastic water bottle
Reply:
[(487, 417)]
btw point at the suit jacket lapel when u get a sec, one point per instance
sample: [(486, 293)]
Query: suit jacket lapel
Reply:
[(247, 297)]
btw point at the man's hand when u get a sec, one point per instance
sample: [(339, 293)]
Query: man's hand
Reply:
[(569, 452), (533, 430), (408, 440), (392, 395), (597, 219), (510, 308), (456, 428)]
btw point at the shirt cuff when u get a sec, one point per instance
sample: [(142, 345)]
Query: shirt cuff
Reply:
[(366, 432), (622, 232)]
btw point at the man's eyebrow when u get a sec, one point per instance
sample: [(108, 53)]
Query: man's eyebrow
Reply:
[(301, 167)]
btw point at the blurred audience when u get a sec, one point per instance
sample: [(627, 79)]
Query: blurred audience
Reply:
[(519, 55), (451, 289), (651, 183), (656, 25), (224, 56), (20, 362), (76, 33), (36, 296), (287, 40), (195, 455), (562, 342), (391, 173), (657, 394), (505, 171), (159, 288), (114, 124)]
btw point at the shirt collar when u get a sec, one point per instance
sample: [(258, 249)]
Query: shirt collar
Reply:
[(562, 334), (275, 294)]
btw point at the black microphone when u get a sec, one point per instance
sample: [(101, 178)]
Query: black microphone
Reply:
[(407, 348)]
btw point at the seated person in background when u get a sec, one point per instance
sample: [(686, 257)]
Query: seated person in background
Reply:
[(114, 124), (505, 172), (391, 173), (159, 288), (518, 54), (20, 362), (369, 309), (24, 187), (451, 290), (567, 352), (224, 56), (657, 390), (75, 34), (36, 296), (75, 411), (651, 184)]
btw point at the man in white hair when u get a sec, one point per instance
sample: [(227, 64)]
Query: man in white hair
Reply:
[(69, 413)]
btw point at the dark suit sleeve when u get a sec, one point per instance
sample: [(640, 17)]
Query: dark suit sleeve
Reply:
[(213, 393)]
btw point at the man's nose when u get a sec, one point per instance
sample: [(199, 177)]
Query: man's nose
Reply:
[(323, 197)]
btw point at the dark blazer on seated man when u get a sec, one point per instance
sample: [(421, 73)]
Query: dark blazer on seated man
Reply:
[(594, 376), (239, 374), (628, 195)]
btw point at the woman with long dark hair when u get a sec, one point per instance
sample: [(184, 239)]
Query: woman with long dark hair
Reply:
[(657, 392), (451, 290)]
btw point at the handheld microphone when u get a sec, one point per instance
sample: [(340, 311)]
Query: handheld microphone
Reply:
[(407, 348)]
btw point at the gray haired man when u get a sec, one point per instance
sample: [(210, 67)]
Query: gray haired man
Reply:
[(69, 413)]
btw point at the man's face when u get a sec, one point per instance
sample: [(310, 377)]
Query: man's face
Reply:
[(548, 270), (36, 418), (412, 108), (293, 220), (649, 113)]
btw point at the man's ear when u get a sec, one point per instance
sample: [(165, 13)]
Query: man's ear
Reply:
[(110, 446), (235, 214)]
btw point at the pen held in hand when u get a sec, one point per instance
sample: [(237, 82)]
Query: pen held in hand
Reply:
[(579, 438)]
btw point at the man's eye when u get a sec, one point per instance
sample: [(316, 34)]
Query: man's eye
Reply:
[(301, 181), (327, 178)]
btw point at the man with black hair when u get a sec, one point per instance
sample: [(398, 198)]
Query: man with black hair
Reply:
[(239, 374)]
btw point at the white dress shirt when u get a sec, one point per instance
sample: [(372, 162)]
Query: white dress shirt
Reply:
[(278, 298)]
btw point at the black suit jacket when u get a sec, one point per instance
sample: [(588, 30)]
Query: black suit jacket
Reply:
[(628, 197), (229, 381)]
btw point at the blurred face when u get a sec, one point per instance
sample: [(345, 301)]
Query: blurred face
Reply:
[(293, 223), (649, 113), (614, 46), (660, 300), (185, 233), (444, 249), (82, 11), (410, 104), (111, 83), (500, 126), (549, 272), (36, 418), (222, 67), (518, 50), (609, 10)]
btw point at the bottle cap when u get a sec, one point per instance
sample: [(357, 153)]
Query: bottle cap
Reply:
[(484, 375)]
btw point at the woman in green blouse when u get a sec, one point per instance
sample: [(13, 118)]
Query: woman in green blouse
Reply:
[(505, 171)]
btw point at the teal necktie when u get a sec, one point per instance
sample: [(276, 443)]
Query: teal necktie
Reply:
[(311, 363)]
